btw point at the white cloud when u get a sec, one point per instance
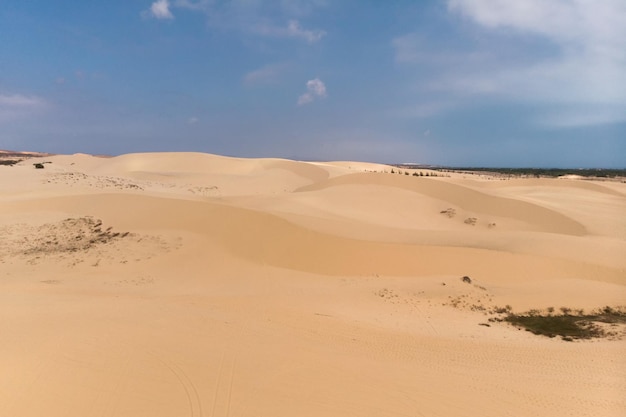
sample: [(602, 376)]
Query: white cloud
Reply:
[(160, 9), (294, 30), (579, 21), (192, 120), (315, 89), (304, 99), (590, 37), (560, 54)]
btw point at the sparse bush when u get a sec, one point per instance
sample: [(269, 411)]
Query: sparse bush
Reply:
[(608, 310), (450, 212), (471, 221), (502, 310)]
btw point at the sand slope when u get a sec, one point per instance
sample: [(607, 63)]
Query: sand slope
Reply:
[(186, 284)]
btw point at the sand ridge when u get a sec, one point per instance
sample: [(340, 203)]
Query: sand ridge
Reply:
[(199, 285)]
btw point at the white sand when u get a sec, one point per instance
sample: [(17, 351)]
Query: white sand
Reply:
[(186, 284)]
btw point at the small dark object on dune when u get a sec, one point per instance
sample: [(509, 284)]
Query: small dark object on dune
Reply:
[(466, 279)]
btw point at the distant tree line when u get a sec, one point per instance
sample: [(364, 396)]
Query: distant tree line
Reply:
[(546, 172), (526, 172)]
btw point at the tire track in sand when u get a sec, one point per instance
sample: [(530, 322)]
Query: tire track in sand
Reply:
[(193, 398), (224, 385)]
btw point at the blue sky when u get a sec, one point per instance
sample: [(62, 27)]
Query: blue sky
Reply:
[(453, 82)]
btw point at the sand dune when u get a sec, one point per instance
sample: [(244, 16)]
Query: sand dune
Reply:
[(191, 284), (466, 198)]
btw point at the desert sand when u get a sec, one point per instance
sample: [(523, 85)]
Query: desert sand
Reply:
[(188, 284)]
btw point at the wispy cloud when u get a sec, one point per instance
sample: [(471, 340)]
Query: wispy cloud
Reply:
[(582, 115), (302, 7), (414, 48), (292, 30), (424, 109), (160, 9), (198, 5), (15, 106), (266, 74), (362, 144), (315, 89), (251, 16), (20, 101), (582, 61)]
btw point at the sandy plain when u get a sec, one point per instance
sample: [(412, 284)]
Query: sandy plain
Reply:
[(188, 284)]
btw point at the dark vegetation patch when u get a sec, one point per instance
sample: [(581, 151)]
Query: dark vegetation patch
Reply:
[(9, 161), (570, 325)]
